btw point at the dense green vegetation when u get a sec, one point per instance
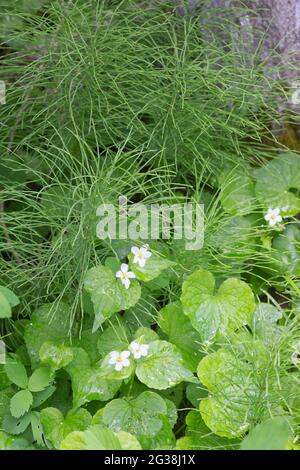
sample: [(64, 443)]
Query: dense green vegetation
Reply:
[(196, 349)]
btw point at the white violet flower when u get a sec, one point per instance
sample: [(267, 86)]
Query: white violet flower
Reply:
[(125, 275), (273, 216), (119, 360), (140, 255), (138, 350)]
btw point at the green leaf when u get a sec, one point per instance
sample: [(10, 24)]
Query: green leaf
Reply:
[(234, 237), (140, 417), (177, 326), (95, 438), (194, 393), (16, 372), (145, 335), (12, 299), (5, 308), (5, 396), (4, 380), (36, 427), (128, 441), (272, 434), (40, 397), (8, 442), (114, 338), (285, 252), (16, 425), (100, 282), (163, 366), (40, 379), (264, 323), (237, 191), (200, 436), (56, 427), (230, 407), (267, 313), (48, 323), (152, 269), (88, 382), (56, 355), (276, 181), (108, 294), (223, 421), (20, 403), (76, 440), (227, 310)]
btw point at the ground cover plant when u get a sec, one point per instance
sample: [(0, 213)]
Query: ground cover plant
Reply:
[(125, 344)]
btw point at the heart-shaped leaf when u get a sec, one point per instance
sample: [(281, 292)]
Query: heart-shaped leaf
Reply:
[(227, 310), (276, 182), (163, 367), (140, 417)]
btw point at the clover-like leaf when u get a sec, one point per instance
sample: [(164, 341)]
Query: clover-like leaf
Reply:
[(40, 397), (16, 372), (16, 425), (36, 427), (227, 310), (276, 182), (163, 367), (20, 403), (40, 379)]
